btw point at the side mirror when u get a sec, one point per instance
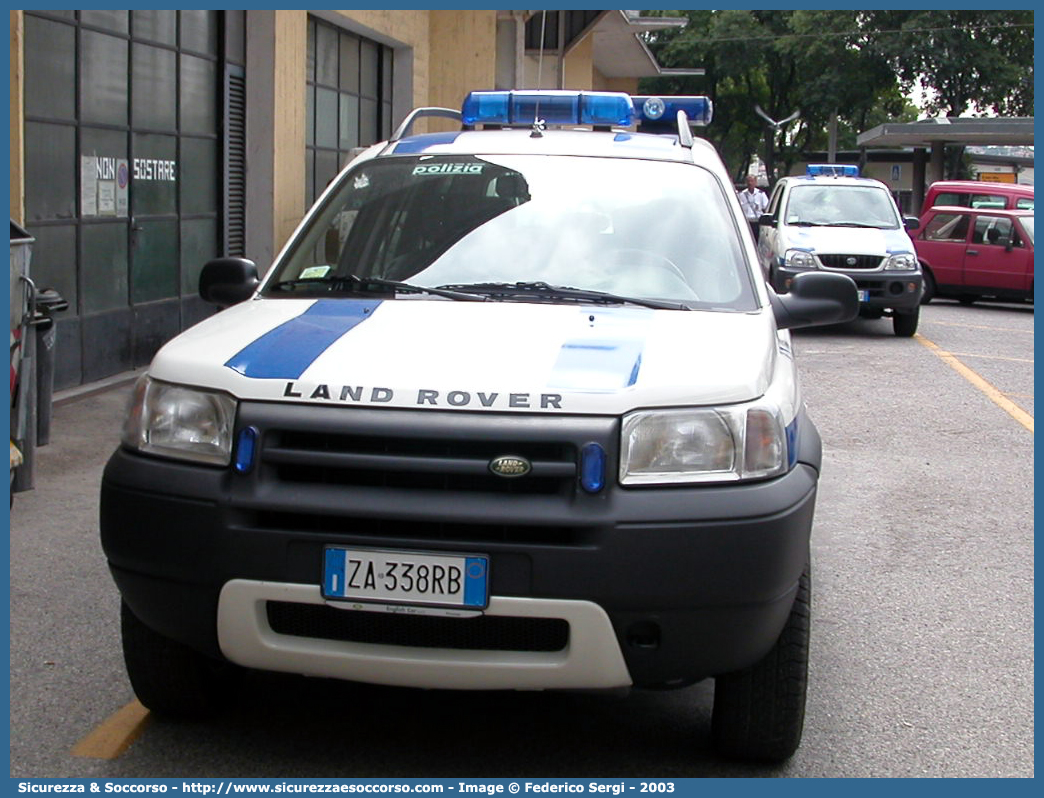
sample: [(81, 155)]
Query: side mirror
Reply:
[(228, 281), (911, 223), (816, 298), (766, 219)]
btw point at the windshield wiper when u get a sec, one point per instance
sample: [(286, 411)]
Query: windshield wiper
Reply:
[(546, 291), (355, 283), (857, 224)]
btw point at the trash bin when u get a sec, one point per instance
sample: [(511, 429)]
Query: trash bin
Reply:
[(23, 366), (48, 302)]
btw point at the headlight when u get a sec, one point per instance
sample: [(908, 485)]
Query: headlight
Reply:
[(904, 262), (180, 422), (724, 444), (799, 259)]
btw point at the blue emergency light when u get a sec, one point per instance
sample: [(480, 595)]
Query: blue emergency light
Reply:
[(552, 107), (651, 109), (832, 170)]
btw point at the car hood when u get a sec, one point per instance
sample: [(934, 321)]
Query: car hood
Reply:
[(849, 240), (493, 356)]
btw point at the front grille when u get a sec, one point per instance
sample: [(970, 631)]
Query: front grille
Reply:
[(445, 464), (482, 633), (858, 261)]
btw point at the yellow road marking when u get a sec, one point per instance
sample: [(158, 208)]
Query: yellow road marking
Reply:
[(115, 734), (934, 323), (992, 393), (993, 357)]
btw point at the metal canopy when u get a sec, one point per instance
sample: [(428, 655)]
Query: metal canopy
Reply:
[(970, 131)]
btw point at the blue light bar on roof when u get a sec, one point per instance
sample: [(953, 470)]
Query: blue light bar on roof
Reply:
[(832, 170), (552, 107), (699, 109)]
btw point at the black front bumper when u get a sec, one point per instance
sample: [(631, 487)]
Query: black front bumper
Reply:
[(697, 581), (894, 290)]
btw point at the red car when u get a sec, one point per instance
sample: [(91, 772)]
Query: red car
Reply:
[(972, 253)]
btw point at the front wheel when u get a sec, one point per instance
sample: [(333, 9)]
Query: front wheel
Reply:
[(928, 294), (168, 677), (905, 324), (759, 712)]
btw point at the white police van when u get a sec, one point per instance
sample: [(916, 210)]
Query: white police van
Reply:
[(834, 220), (513, 409)]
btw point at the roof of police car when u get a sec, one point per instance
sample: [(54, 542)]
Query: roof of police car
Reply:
[(840, 180), (521, 141)]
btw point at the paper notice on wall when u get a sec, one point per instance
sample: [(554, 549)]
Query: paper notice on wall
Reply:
[(106, 197), (122, 181), (88, 185)]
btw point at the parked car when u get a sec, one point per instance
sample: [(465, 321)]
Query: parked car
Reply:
[(971, 253), (978, 194), (831, 219), (513, 409)]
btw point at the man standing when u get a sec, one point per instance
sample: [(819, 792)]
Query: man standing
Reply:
[(754, 202)]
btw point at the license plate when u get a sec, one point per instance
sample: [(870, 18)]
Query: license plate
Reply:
[(864, 296), (406, 577)]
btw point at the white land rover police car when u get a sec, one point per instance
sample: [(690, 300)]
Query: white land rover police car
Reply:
[(514, 408), (832, 219)]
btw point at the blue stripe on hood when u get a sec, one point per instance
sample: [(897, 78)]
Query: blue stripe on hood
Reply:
[(603, 363), (284, 352)]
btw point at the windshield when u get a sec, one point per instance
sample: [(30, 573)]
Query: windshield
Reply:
[(632, 228), (841, 206)]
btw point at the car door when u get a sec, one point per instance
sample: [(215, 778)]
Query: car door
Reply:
[(996, 258), (768, 238), (942, 244)]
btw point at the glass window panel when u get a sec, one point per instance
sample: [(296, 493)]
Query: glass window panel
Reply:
[(154, 271), (155, 26), (53, 262), (326, 55), (349, 125), (368, 131), (235, 36), (103, 79), (199, 31), (386, 120), (325, 169), (66, 14), (368, 85), (310, 116), (50, 171), (310, 194), (198, 175), (155, 174), (104, 266), (50, 69), (154, 88), (198, 95), (110, 20), (386, 73), (349, 63), (325, 118), (199, 243)]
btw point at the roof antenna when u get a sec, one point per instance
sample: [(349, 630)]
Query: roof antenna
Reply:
[(538, 124)]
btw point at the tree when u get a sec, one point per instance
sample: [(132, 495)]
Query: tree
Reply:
[(977, 62)]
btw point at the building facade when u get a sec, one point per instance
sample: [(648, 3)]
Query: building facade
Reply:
[(145, 143)]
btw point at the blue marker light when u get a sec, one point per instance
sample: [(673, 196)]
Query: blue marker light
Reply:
[(832, 170), (592, 468), (246, 447), (664, 109)]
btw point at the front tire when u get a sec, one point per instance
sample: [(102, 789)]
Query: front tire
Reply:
[(168, 677), (928, 294), (905, 324), (759, 712)]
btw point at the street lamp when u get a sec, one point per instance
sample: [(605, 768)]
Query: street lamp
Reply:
[(776, 127)]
